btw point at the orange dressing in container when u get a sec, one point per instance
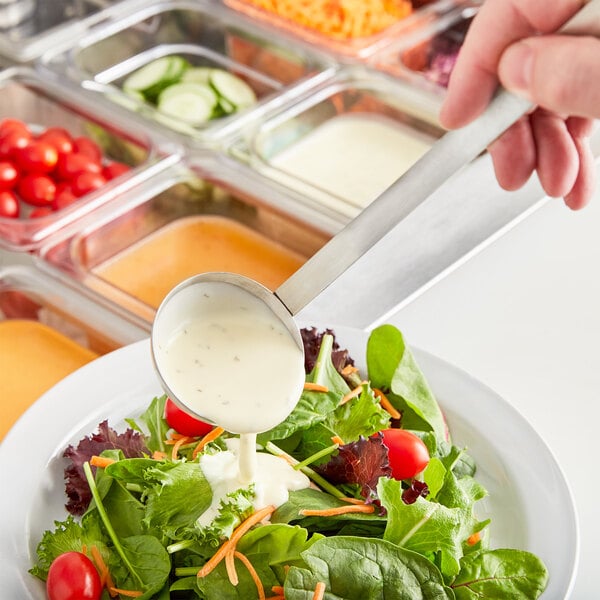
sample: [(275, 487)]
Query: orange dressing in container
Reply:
[(33, 357), (149, 269)]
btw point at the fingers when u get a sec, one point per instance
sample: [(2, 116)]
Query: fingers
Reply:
[(498, 24), (557, 156), (560, 73), (514, 155), (583, 188)]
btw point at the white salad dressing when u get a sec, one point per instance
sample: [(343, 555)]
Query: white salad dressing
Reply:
[(226, 356), (355, 157), (274, 478)]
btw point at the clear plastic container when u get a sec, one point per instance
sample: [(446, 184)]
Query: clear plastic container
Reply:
[(42, 103), (48, 329), (354, 36), (427, 59), (28, 28), (205, 34), (185, 221), (342, 146)]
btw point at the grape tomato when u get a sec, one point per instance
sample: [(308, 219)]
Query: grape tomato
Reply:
[(407, 453), (9, 204), (37, 190), (83, 145), (73, 576), (8, 175), (183, 422), (60, 139), (36, 157)]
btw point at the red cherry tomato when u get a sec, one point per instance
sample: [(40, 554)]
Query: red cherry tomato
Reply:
[(40, 211), (8, 175), (69, 165), (9, 205), (7, 125), (84, 145), (38, 190), (114, 169), (12, 140), (36, 157), (407, 453), (183, 422), (60, 139), (73, 576), (63, 199), (86, 182)]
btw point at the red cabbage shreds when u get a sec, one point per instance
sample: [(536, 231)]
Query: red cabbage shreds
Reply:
[(312, 338), (131, 443), (362, 462)]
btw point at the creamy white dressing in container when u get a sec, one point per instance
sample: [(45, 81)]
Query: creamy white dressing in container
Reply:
[(355, 157)]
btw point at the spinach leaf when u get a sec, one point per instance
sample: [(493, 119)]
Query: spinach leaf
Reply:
[(150, 561), (125, 510), (282, 543), (355, 568), (501, 573), (392, 367), (216, 585)]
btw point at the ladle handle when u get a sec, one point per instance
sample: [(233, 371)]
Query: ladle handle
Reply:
[(447, 156)]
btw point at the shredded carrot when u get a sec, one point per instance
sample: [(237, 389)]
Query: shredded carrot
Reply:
[(230, 568), (101, 461), (315, 387), (352, 500), (339, 19), (259, 586), (209, 437), (127, 593), (319, 591), (348, 370), (158, 455), (352, 393), (278, 590), (105, 578), (231, 543), (340, 510), (83, 548), (473, 539), (180, 442), (386, 404), (336, 439)]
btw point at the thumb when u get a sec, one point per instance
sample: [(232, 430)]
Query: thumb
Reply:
[(559, 73)]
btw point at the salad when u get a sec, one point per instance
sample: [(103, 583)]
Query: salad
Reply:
[(390, 511)]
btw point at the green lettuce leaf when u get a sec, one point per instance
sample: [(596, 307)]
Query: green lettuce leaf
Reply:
[(393, 368), (355, 568), (501, 573)]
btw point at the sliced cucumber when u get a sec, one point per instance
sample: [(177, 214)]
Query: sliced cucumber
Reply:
[(193, 103), (197, 75), (154, 77), (233, 89)]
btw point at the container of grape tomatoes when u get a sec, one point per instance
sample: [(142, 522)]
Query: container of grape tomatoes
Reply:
[(61, 156)]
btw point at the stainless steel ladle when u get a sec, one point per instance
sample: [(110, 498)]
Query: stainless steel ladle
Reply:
[(452, 152)]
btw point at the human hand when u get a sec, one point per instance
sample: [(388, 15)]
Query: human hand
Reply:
[(558, 73)]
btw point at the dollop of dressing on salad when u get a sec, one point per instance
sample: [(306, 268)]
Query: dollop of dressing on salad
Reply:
[(227, 357), (274, 478)]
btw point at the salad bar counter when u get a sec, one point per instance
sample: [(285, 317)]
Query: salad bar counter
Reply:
[(143, 143)]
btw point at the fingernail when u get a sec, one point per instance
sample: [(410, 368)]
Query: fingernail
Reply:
[(515, 68)]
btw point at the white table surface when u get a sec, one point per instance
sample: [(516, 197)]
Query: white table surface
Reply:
[(523, 316)]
